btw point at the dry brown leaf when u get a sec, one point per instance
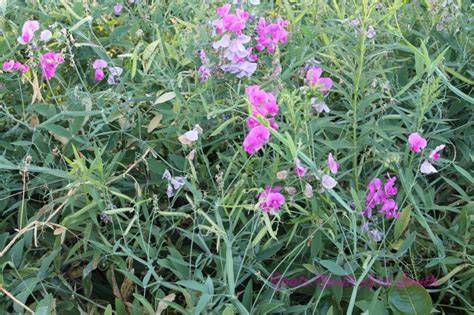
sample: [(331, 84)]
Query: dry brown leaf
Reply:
[(155, 122), (168, 96), (36, 89), (162, 305), (34, 122), (61, 139)]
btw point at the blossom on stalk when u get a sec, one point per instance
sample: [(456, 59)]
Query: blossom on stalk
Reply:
[(13, 65), (314, 79), (28, 31), (380, 195), (416, 142), (270, 200), (427, 168), (49, 63), (332, 164), (46, 35), (191, 136), (434, 155), (99, 65), (256, 139), (174, 183), (270, 35), (300, 170)]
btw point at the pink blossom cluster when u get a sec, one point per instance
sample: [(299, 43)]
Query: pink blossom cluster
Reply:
[(49, 63), (263, 104), (270, 200), (12, 65), (28, 31), (382, 196), (271, 34), (417, 144), (321, 86), (99, 65)]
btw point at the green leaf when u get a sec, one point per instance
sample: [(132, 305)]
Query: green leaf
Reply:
[(333, 267), (402, 222), (410, 300)]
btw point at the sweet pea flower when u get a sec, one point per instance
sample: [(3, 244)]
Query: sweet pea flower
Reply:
[(28, 31), (427, 168), (416, 142), (174, 183), (99, 75), (9, 65), (113, 72), (46, 35), (332, 164), (320, 107), (256, 139), (191, 136), (434, 155), (270, 200), (270, 35), (99, 64), (299, 169), (313, 78), (371, 32), (118, 9), (49, 62), (263, 103), (328, 182), (241, 69)]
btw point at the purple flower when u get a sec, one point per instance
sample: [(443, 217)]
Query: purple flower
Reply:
[(375, 235), (371, 32), (118, 9), (45, 35), (204, 72), (241, 69)]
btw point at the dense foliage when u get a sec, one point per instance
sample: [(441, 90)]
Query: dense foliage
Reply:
[(259, 157)]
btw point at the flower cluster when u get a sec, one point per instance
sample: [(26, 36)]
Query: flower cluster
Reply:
[(270, 200), (99, 65), (320, 87), (49, 62), (382, 196), (263, 104), (417, 143), (270, 35), (231, 44), (174, 183), (12, 65)]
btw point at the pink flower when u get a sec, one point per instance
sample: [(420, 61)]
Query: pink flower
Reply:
[(9, 65), (299, 169), (28, 31), (389, 188), (263, 103), (271, 200), (99, 64), (269, 36), (99, 74), (313, 78), (45, 35), (427, 168), (118, 9), (389, 209), (256, 139), (332, 164), (416, 142), (49, 62), (231, 22), (434, 155), (378, 196)]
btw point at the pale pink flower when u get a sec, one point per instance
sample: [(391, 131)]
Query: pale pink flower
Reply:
[(256, 139), (299, 169), (434, 155), (328, 182), (28, 31), (416, 142), (99, 64), (308, 191), (46, 35), (118, 9), (332, 164), (320, 107), (427, 168), (49, 62), (191, 136), (314, 78), (281, 175)]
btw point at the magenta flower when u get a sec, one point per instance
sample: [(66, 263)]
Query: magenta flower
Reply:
[(28, 31), (49, 62), (9, 65), (99, 74), (378, 196), (299, 169), (234, 23), (332, 164), (389, 187), (271, 200), (313, 78), (434, 155), (389, 209), (256, 139), (263, 103), (416, 142), (269, 36)]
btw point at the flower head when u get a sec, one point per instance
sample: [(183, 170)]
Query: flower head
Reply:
[(314, 79), (262, 102), (46, 35), (416, 142), (299, 169), (427, 168), (118, 9), (256, 139), (371, 32), (49, 62), (328, 182), (191, 136), (434, 155), (99, 64), (270, 35), (28, 31), (332, 164), (270, 200)]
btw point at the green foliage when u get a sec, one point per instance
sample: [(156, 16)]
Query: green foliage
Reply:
[(85, 222)]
